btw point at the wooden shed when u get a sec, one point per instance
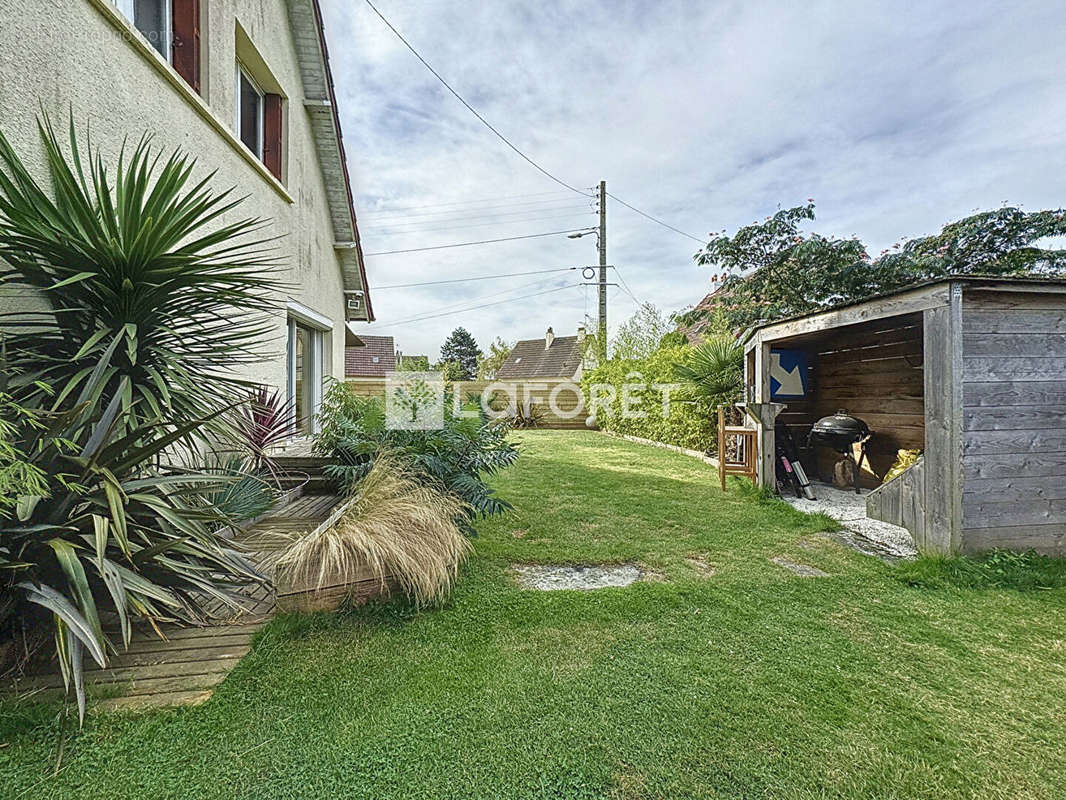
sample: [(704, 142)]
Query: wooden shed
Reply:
[(970, 371)]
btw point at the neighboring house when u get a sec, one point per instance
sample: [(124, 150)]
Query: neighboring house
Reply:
[(374, 359), (550, 357), (245, 86), (695, 322)]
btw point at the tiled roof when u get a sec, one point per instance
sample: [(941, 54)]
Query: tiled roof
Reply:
[(377, 358), (530, 359)]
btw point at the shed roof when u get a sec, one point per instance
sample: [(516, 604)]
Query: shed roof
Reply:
[(531, 359), (1057, 285), (375, 359)]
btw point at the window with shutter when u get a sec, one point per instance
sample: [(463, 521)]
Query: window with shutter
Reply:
[(249, 112), (172, 27), (153, 18)]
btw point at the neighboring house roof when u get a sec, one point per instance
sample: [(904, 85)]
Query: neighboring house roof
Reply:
[(698, 319), (531, 359), (375, 359), (309, 38)]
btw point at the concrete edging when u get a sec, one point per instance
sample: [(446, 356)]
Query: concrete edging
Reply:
[(683, 450)]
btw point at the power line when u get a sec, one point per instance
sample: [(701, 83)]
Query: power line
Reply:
[(656, 221), (625, 285), (537, 283), (490, 200), (470, 108), (468, 244), (383, 232), (476, 278), (506, 141), (489, 219), (562, 197), (477, 307)]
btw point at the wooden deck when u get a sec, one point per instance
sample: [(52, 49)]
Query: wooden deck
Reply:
[(185, 667)]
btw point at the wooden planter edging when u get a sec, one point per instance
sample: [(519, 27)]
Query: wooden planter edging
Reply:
[(683, 450), (336, 590)]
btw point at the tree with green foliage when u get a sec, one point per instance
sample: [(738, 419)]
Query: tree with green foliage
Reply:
[(489, 365), (642, 334), (413, 363), (460, 349), (772, 270)]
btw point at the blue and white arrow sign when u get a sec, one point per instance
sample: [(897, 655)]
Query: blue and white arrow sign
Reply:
[(788, 374)]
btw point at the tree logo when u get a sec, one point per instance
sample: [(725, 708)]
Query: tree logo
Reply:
[(414, 401)]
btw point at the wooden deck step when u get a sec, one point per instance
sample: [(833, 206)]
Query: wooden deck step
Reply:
[(186, 665)]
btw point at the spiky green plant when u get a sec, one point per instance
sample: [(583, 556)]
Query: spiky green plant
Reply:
[(153, 301), (139, 262), (714, 370), (456, 458)]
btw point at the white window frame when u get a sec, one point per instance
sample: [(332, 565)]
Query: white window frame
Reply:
[(242, 71), (127, 9), (319, 326)]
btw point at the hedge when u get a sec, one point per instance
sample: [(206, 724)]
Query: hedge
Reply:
[(691, 423)]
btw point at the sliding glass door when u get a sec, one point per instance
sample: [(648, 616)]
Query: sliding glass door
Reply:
[(305, 375)]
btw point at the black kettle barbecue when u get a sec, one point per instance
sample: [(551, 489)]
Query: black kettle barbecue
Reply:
[(841, 432)]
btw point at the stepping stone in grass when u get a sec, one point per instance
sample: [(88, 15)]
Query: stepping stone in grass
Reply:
[(548, 577), (803, 570)]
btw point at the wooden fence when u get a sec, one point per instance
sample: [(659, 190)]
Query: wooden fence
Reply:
[(559, 401)]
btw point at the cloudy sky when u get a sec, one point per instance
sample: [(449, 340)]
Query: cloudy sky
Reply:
[(895, 117)]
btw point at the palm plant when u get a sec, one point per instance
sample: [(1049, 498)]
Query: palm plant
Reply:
[(153, 301), (137, 266), (714, 370), (456, 458)]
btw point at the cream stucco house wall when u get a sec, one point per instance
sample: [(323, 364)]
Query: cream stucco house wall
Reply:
[(115, 64)]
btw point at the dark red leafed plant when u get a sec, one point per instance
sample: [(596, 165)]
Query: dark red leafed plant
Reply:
[(263, 421)]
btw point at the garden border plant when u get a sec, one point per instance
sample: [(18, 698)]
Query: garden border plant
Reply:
[(121, 386)]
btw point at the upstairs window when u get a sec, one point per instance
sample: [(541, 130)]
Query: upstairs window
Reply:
[(172, 27), (154, 19), (259, 121)]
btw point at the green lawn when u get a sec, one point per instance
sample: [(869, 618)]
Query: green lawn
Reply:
[(748, 682)]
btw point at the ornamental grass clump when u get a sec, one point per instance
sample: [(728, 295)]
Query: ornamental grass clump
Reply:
[(399, 529)]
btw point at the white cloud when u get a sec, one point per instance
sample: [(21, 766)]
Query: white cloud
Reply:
[(895, 117)]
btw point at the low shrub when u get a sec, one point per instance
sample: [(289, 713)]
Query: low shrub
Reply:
[(455, 459)]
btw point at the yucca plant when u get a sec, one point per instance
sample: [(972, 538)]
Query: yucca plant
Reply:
[(139, 262), (397, 526), (153, 302)]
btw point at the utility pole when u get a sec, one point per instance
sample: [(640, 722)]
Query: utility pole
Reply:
[(603, 272)]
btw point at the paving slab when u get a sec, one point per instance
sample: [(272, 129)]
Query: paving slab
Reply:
[(548, 577)]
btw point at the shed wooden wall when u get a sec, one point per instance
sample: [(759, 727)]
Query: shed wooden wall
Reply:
[(872, 370), (1014, 420)]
